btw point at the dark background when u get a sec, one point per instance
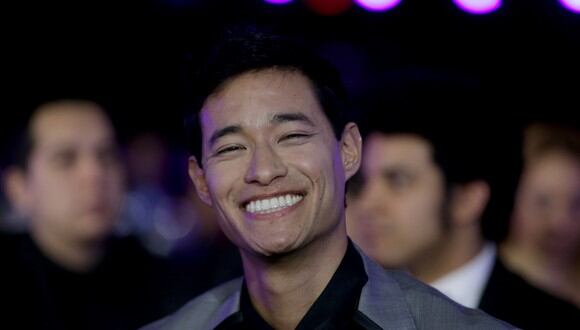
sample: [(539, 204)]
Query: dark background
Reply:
[(130, 55)]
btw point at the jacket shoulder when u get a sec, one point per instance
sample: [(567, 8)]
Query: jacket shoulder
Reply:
[(432, 309), (204, 311), (395, 299)]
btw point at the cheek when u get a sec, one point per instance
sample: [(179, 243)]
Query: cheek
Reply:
[(115, 186), (423, 206), (52, 204), (50, 188), (324, 166), (528, 219), (574, 237), (311, 167), (422, 224), (421, 215), (571, 229), (530, 228), (221, 179)]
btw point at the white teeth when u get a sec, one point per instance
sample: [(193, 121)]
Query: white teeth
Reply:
[(272, 204)]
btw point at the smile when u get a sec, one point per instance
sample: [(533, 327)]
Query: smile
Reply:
[(273, 204)]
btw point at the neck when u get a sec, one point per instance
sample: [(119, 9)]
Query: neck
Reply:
[(462, 245), (77, 256), (282, 291)]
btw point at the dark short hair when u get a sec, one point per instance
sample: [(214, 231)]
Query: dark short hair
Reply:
[(544, 137), (250, 51), (468, 141)]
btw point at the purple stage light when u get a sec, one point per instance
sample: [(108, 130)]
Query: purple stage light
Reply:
[(377, 5), (478, 7), (278, 2), (571, 5)]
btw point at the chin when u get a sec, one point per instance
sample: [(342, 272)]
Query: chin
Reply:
[(276, 248)]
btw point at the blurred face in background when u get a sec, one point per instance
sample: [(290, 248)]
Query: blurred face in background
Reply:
[(547, 211), (397, 215), (72, 187)]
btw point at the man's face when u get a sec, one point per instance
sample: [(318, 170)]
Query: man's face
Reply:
[(272, 166), (547, 212), (397, 217), (73, 182)]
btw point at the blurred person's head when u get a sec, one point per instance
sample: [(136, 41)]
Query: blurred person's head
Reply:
[(67, 179), (424, 184), (272, 151), (546, 216)]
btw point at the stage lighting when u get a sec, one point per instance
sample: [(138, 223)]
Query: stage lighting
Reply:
[(571, 5), (377, 5), (478, 7), (278, 2)]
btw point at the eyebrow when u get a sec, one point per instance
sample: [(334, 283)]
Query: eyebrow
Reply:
[(291, 117), (232, 129)]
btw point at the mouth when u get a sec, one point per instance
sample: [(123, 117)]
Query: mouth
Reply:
[(272, 204)]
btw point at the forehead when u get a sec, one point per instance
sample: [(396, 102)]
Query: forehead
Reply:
[(387, 150), (70, 123), (558, 169), (252, 98)]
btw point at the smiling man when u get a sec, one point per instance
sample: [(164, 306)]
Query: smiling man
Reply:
[(271, 153)]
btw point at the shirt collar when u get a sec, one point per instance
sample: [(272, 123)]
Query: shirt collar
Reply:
[(465, 284), (336, 305)]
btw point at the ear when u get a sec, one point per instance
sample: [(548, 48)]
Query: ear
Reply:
[(468, 201), (197, 177), (351, 149), (16, 190)]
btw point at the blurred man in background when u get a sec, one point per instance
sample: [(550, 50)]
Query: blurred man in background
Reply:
[(427, 187), (544, 240), (68, 272)]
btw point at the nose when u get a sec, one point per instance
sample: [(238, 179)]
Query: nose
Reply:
[(95, 169), (90, 170), (265, 166)]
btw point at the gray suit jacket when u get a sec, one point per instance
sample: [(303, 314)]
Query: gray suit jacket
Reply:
[(391, 299)]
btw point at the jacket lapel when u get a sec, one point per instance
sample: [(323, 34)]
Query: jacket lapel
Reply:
[(382, 300)]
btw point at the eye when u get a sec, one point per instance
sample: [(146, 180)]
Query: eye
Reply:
[(397, 179), (295, 136), (229, 149)]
